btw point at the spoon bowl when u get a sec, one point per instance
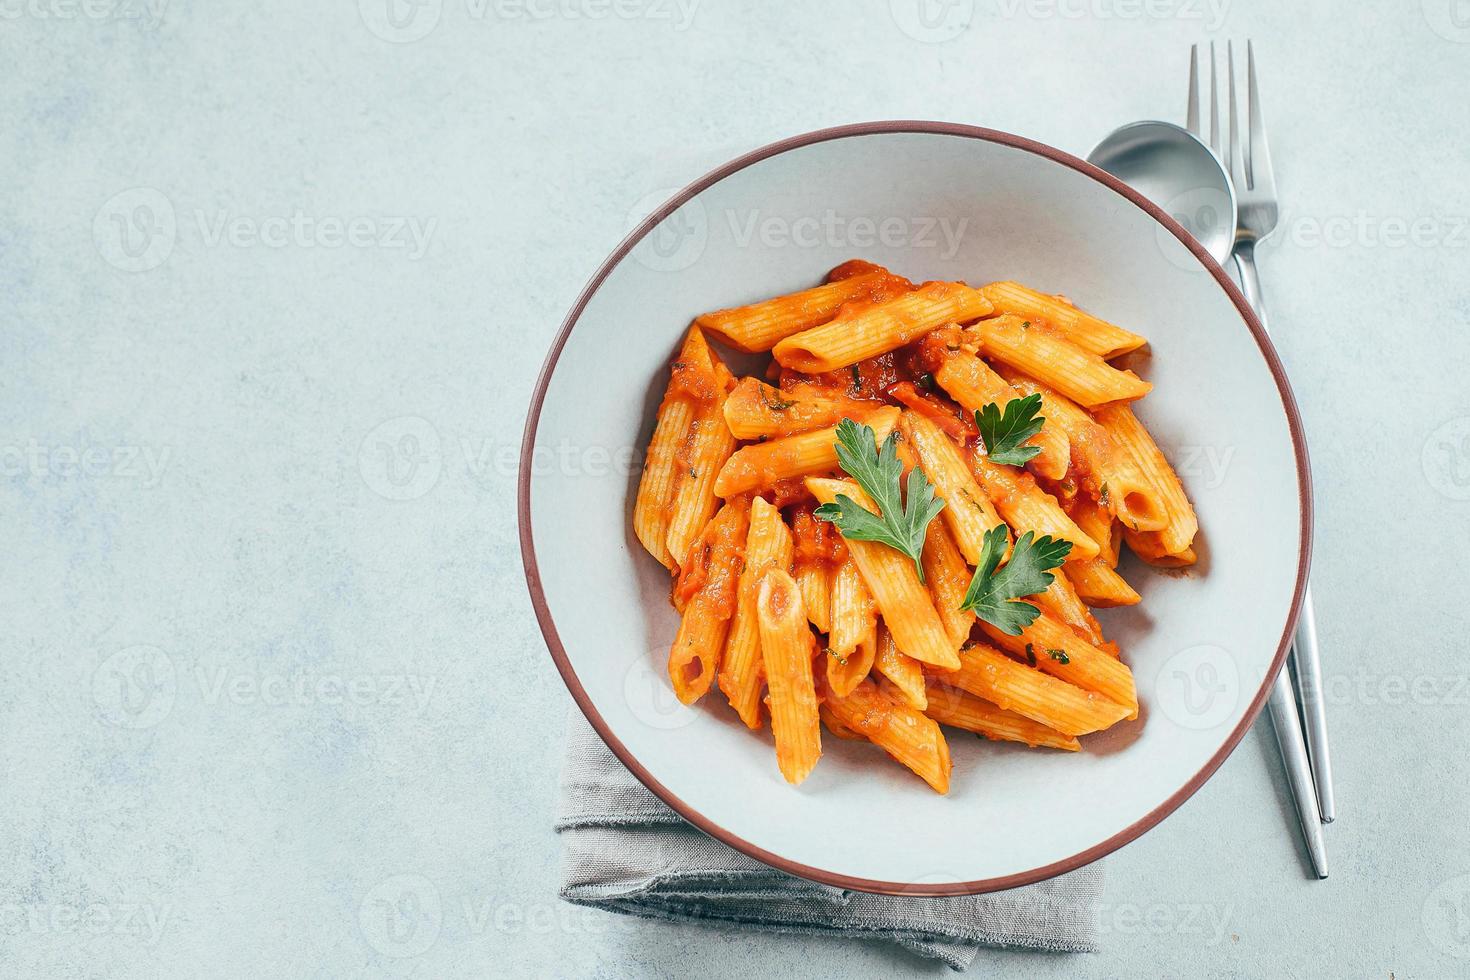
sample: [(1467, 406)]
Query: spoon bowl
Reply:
[(1174, 169)]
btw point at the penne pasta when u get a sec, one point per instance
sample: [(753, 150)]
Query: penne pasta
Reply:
[(855, 621), (707, 444), (1150, 546), (970, 382), (947, 577), (853, 614), (1054, 648), (755, 410), (815, 582), (900, 729), (1050, 358), (959, 709), (759, 326), (1107, 474), (968, 512), (843, 673), (895, 585), (708, 585), (1098, 584), (766, 463), (1133, 441), (1062, 601), (903, 672), (786, 647), (767, 545), (1086, 331), (989, 674), (1099, 524), (1027, 507), (872, 330)]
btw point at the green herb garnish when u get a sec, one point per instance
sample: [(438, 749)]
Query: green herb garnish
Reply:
[(1004, 432), (1060, 656), (1028, 572), (879, 473)]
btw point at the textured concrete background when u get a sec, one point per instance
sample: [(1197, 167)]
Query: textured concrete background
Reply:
[(275, 281)]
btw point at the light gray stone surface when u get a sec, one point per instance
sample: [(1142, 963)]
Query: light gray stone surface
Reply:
[(272, 706)]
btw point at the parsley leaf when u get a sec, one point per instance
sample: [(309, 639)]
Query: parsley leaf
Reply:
[(878, 472), (1058, 655), (1027, 573), (1004, 432)]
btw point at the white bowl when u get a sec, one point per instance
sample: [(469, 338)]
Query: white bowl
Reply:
[(1203, 645)]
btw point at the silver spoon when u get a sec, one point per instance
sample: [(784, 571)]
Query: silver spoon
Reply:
[(1173, 168)]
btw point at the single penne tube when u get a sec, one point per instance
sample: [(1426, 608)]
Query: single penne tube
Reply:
[(957, 708), (767, 545), (756, 410), (1026, 507), (694, 658), (814, 580), (973, 385), (1149, 546), (758, 326), (894, 583), (1099, 524), (660, 471), (854, 616), (707, 446), (900, 729), (766, 463), (843, 673), (989, 674), (968, 512), (786, 648), (868, 331), (1062, 601), (837, 728), (1086, 331), (947, 577), (1058, 650), (1134, 441), (900, 670), (1098, 584), (1051, 358), (1108, 474)]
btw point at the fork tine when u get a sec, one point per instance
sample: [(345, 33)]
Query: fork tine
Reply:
[(1214, 107), (1237, 158), (1261, 174), (1191, 120)]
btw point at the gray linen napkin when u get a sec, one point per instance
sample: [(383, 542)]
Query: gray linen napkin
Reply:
[(625, 851)]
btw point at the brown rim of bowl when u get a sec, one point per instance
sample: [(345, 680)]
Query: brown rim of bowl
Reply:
[(559, 654)]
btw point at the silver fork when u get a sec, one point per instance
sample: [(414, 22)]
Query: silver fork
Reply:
[(1249, 162)]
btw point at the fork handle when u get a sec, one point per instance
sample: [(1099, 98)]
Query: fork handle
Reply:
[(1245, 261)]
